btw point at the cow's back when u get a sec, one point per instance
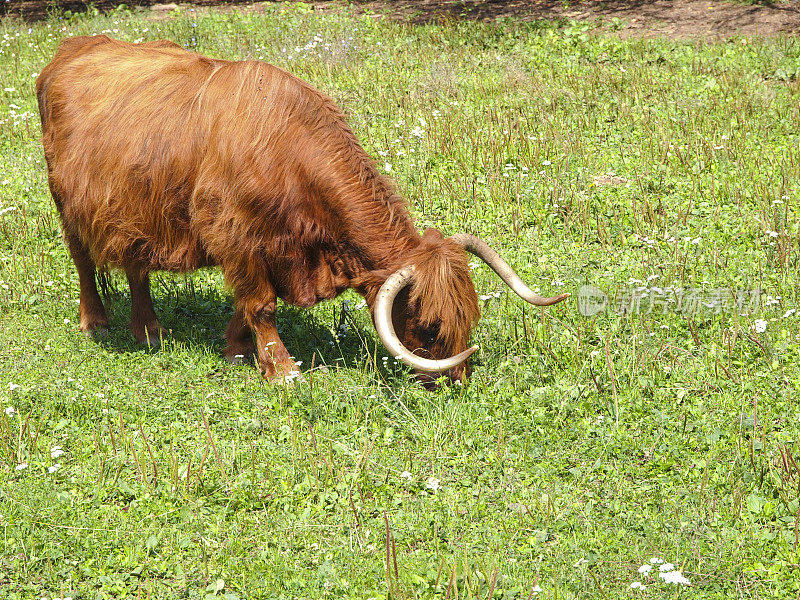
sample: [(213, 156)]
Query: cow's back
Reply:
[(123, 133)]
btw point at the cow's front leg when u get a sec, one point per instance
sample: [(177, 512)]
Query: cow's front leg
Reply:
[(273, 358), (239, 338)]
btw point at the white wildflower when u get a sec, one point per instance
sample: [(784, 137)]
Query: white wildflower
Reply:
[(291, 376), (674, 577), (656, 561), (56, 451), (10, 411), (13, 386), (432, 484), (406, 475), (637, 585), (760, 325), (645, 569), (536, 589), (789, 313), (21, 466), (666, 567), (54, 468), (387, 167)]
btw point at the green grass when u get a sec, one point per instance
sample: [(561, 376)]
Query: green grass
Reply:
[(580, 448)]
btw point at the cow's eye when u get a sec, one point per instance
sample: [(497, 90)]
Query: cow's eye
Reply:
[(428, 335)]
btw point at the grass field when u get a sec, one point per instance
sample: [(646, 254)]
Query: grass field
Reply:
[(582, 446)]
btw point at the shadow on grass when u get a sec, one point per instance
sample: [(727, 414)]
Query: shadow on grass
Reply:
[(198, 315)]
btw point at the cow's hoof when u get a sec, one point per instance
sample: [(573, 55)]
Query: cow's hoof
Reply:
[(96, 333), (152, 339), (151, 335), (290, 378), (285, 375), (239, 359)]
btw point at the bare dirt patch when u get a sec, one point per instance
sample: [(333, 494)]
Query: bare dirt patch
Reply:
[(647, 18), (681, 19)]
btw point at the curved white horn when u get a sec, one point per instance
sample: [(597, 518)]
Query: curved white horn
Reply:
[(385, 328), (482, 250)]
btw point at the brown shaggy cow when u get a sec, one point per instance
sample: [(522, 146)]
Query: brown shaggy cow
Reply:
[(163, 159)]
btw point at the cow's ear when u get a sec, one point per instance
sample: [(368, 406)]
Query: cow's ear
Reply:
[(432, 234)]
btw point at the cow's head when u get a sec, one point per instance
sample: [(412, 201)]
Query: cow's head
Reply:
[(424, 312)]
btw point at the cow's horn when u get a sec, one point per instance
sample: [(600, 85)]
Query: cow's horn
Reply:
[(483, 251), (385, 328)]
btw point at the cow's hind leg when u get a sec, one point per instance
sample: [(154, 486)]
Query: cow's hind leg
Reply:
[(273, 359), (93, 318), (144, 323), (239, 339)]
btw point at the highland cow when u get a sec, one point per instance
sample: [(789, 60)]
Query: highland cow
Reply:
[(160, 159)]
